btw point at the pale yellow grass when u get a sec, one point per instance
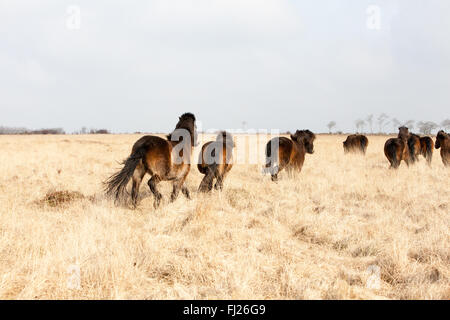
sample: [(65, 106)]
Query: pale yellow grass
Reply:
[(311, 236)]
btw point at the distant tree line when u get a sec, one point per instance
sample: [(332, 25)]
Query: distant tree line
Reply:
[(85, 130), (382, 122), (22, 130)]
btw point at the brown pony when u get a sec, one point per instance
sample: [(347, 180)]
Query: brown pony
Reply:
[(443, 142), (215, 161), (426, 148), (288, 153), (164, 159), (356, 143), (396, 149)]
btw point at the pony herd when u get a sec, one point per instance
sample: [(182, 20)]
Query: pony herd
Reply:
[(169, 159), (408, 146)]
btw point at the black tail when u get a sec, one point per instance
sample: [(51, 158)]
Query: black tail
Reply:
[(271, 162), (429, 151), (268, 155), (116, 185), (392, 152), (363, 145), (412, 152)]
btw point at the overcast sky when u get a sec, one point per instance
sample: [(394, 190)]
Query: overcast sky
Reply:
[(276, 64)]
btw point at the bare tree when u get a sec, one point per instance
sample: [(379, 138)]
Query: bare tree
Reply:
[(426, 127), (446, 124), (98, 131), (395, 124), (382, 121), (369, 120), (331, 125), (359, 124), (409, 124)]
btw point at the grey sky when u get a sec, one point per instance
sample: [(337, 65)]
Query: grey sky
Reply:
[(136, 65)]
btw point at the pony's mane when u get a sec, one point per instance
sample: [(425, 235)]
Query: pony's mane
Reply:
[(186, 116), (299, 134), (185, 121), (442, 134), (225, 137)]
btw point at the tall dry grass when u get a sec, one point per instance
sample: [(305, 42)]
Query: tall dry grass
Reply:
[(316, 235)]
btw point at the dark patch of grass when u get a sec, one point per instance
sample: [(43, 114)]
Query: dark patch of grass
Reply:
[(58, 198)]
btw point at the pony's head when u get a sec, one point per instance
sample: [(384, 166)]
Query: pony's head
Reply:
[(305, 137), (440, 137), (403, 133)]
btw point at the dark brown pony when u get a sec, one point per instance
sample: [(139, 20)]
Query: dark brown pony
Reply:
[(356, 143), (426, 148), (396, 149), (443, 142), (215, 161), (164, 159), (288, 153)]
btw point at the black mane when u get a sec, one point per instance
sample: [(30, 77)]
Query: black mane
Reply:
[(186, 121)]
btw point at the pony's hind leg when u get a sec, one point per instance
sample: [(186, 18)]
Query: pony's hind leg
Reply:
[(207, 181), (185, 191), (152, 183), (219, 182), (177, 186), (137, 179), (221, 179)]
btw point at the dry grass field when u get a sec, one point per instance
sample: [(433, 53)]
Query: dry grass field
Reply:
[(322, 234)]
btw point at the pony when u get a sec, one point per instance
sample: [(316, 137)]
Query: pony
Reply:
[(443, 142), (215, 161), (426, 148), (396, 149), (282, 152), (356, 143), (163, 159)]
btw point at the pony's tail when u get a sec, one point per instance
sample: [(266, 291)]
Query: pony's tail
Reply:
[(392, 152), (429, 151), (268, 154), (412, 152), (116, 185), (271, 164), (363, 145)]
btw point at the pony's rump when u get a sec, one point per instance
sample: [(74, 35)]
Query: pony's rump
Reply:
[(356, 143), (215, 161), (391, 150), (427, 146), (414, 146)]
